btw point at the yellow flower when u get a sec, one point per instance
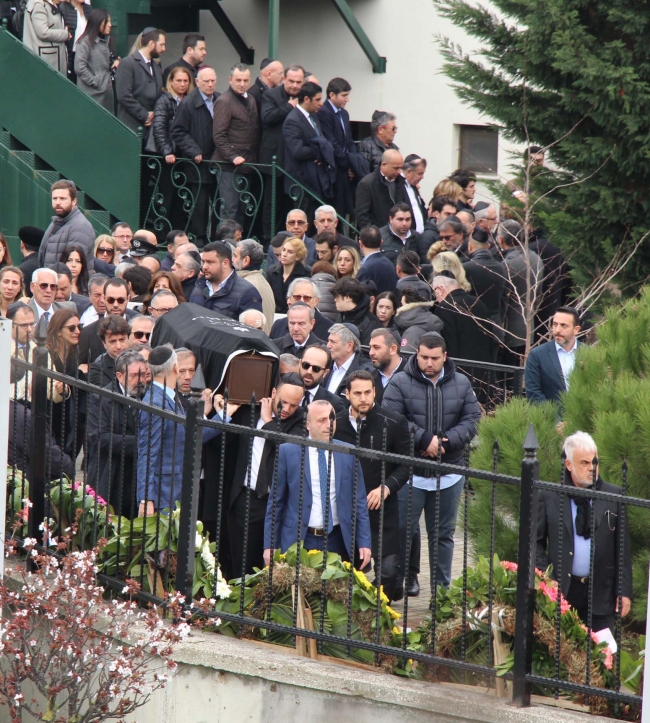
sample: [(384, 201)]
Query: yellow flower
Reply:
[(346, 565), (410, 662), (383, 596), (282, 558), (395, 615), (396, 630), (313, 552)]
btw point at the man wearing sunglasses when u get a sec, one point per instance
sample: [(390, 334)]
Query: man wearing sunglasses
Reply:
[(314, 369), (44, 287), (141, 330), (116, 299)]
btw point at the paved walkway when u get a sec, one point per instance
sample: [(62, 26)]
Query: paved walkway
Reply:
[(419, 606)]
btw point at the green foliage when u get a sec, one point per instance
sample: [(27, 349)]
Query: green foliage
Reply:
[(577, 76), (609, 397)]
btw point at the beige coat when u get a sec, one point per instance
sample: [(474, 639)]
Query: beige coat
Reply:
[(45, 35), (266, 292)]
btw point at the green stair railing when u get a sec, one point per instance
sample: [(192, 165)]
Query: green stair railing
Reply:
[(49, 129)]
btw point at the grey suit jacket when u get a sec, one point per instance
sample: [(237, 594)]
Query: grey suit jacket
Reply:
[(56, 306)]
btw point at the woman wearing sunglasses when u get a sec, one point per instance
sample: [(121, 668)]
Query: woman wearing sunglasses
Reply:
[(68, 411), (105, 248)]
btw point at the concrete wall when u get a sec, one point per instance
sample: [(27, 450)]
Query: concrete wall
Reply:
[(221, 680), (313, 34)]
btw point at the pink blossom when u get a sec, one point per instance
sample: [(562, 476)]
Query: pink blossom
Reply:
[(92, 493), (608, 658), (510, 566)]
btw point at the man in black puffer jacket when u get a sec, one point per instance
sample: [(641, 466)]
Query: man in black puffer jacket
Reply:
[(442, 406)]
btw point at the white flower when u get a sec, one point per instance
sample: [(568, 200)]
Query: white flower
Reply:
[(18, 697), (198, 541), (29, 542), (27, 503), (223, 589)]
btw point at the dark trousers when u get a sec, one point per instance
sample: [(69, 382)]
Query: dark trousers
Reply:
[(229, 196), (283, 204), (252, 536), (578, 597), (199, 225), (335, 543)]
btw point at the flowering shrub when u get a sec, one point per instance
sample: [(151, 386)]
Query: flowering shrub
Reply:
[(451, 627), (335, 575), (69, 655)]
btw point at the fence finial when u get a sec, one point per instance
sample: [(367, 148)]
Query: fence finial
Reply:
[(41, 331), (531, 445)]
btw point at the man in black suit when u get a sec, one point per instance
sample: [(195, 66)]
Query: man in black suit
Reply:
[(112, 441), (30, 244), (380, 190), (308, 155), (565, 542), (301, 320), (65, 292), (277, 103), (191, 133), (314, 369), (271, 74), (385, 358), (375, 266), (335, 122), (113, 332), (371, 425), (488, 277), (116, 300), (138, 82), (194, 52), (549, 365), (352, 301), (345, 349), (413, 172), (253, 469), (303, 290), (326, 221), (464, 330)]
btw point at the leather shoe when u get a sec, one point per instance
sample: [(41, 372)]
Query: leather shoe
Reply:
[(413, 588)]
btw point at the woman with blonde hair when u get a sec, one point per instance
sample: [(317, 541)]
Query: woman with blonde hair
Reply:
[(347, 262), (105, 248), (436, 248), (292, 256), (449, 188), (448, 261), (179, 84)]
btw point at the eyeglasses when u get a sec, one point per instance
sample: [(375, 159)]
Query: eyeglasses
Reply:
[(160, 311), (111, 300), (296, 223), (307, 366), (26, 325), (73, 327), (124, 237), (108, 251), (45, 287), (142, 335), (447, 238), (391, 128), (302, 297)]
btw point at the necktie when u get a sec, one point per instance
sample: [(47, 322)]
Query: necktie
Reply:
[(46, 316), (322, 473), (313, 122), (149, 68), (342, 123)]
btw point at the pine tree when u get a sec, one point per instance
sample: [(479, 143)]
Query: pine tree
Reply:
[(609, 397), (575, 77)]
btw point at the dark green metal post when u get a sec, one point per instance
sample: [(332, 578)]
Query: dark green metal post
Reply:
[(274, 191), (274, 28)]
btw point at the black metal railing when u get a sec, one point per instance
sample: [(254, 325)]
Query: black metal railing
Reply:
[(191, 196), (187, 464)]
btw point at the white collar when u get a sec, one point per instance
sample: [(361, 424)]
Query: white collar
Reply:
[(304, 112)]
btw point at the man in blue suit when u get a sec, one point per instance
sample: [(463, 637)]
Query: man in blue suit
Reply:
[(161, 441), (375, 265), (318, 522), (549, 365), (335, 122)]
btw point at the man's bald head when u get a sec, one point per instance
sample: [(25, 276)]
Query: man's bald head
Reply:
[(391, 164), (320, 415)]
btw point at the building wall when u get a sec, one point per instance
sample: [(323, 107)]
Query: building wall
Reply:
[(414, 88)]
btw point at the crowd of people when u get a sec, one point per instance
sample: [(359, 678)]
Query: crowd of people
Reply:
[(444, 279)]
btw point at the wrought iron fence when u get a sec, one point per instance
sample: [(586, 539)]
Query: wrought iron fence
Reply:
[(187, 466), (191, 196)]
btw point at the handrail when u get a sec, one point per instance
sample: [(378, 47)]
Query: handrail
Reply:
[(56, 120)]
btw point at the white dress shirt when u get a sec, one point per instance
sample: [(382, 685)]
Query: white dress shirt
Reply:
[(256, 458), (316, 516), (338, 374), (415, 206), (89, 316), (41, 311), (567, 360)]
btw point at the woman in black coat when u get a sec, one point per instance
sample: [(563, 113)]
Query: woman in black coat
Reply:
[(291, 267)]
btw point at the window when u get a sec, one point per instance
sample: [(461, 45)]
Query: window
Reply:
[(479, 149)]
